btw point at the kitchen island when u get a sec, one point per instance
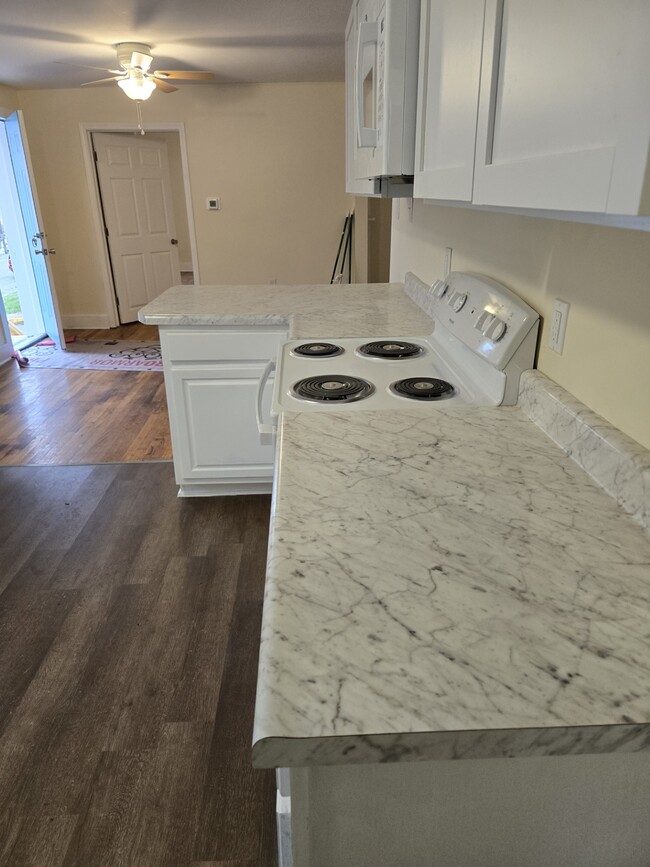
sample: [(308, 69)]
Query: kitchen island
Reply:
[(455, 657), (218, 341)]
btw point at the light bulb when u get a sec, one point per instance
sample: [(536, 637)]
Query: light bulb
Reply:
[(137, 86)]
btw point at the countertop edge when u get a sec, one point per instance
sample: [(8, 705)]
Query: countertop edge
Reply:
[(273, 752)]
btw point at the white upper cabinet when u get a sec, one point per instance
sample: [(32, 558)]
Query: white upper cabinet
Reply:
[(563, 117), (562, 93), (451, 36)]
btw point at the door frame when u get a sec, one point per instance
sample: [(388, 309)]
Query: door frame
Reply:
[(86, 130)]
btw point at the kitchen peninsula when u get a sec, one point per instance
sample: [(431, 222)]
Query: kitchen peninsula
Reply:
[(455, 664)]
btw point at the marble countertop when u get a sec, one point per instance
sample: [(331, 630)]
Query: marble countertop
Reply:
[(447, 584), (318, 311)]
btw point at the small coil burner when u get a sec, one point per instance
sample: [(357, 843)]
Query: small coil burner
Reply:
[(423, 388), (317, 350), (390, 349), (343, 389)]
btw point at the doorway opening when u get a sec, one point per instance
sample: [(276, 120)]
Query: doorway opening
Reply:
[(143, 213), (17, 286)]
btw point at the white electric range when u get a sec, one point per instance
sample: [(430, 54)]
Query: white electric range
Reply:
[(484, 336)]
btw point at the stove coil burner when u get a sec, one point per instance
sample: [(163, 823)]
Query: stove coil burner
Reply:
[(334, 388), (317, 350), (423, 388), (390, 349)]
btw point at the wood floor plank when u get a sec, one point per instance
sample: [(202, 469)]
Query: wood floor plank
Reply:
[(41, 840), (44, 512), (169, 647), (106, 825), (226, 831), (59, 416), (58, 776), (128, 660), (168, 811), (39, 615), (197, 686)]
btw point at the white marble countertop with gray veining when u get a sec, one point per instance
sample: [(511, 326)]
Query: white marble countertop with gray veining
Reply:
[(447, 584), (377, 309)]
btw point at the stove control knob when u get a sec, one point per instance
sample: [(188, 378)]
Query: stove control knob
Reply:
[(439, 289), (458, 302), (496, 330), (483, 321), (488, 322)]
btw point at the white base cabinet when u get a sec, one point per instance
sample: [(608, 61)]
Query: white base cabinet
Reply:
[(548, 811), (211, 379)]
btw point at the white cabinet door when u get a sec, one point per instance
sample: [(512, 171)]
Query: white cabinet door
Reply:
[(451, 36), (563, 118), (353, 185), (220, 439), (211, 378)]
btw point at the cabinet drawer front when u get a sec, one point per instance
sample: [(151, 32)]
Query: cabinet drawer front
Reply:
[(216, 345)]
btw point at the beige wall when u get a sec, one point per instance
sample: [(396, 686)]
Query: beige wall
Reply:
[(274, 153), (604, 273), (8, 100)]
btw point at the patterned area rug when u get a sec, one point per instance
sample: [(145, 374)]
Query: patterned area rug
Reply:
[(98, 355)]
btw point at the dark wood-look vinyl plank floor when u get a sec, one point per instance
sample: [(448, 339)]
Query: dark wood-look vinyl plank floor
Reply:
[(129, 635)]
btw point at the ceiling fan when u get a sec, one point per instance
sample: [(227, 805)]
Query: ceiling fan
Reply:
[(135, 78)]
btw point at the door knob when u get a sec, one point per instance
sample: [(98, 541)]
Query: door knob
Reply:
[(174, 240), (45, 252)]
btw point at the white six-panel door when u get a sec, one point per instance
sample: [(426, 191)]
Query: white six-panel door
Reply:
[(137, 200)]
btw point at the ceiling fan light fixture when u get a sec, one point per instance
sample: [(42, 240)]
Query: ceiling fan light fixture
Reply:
[(137, 86)]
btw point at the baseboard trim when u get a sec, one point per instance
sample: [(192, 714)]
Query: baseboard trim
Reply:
[(185, 266), (86, 320)]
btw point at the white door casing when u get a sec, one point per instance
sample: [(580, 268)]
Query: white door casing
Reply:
[(6, 345), (137, 200)]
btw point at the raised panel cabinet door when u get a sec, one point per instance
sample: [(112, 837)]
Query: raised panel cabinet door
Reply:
[(451, 38), (563, 112), (215, 425)]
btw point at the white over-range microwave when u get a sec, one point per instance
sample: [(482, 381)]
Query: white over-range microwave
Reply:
[(381, 72)]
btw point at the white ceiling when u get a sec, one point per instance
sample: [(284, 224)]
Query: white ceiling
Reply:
[(238, 40)]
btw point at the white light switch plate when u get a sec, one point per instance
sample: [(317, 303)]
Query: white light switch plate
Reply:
[(558, 325)]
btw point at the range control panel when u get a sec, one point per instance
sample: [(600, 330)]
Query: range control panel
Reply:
[(487, 316)]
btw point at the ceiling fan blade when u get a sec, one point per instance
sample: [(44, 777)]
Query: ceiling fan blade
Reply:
[(87, 66), (182, 74), (103, 80), (142, 61), (162, 85)]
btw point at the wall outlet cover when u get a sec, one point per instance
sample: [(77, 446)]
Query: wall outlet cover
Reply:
[(559, 318)]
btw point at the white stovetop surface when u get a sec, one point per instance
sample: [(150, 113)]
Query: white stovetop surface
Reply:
[(381, 373)]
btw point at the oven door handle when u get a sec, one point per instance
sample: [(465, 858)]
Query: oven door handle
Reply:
[(266, 430)]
